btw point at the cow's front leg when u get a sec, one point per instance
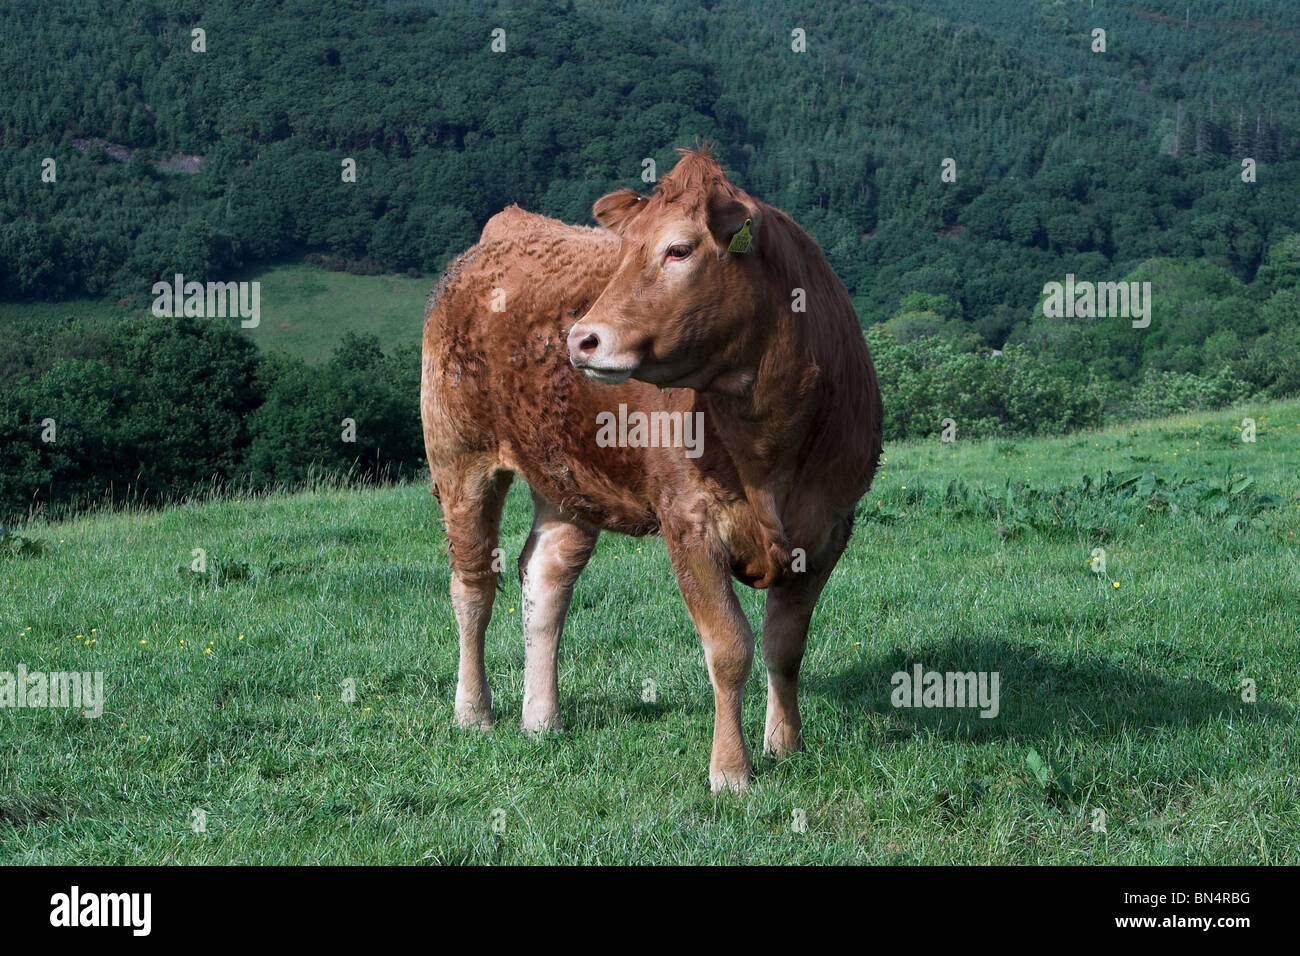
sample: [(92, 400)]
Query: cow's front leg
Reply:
[(555, 554), (785, 636), (704, 578)]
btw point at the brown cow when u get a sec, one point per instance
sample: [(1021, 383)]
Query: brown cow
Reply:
[(694, 370)]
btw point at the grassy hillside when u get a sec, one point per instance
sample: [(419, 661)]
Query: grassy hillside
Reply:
[(305, 309), (224, 691)]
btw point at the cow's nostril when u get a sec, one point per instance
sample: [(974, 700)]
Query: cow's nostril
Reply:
[(590, 342)]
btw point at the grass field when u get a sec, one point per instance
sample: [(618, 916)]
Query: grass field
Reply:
[(1120, 693), (305, 309), (46, 312)]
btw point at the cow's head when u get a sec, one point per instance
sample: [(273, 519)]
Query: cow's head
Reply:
[(680, 308)]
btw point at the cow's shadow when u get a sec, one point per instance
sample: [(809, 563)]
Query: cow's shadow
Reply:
[(1041, 691)]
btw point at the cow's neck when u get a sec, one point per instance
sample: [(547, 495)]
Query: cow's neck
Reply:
[(762, 415)]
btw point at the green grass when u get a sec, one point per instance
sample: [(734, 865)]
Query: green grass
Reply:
[(45, 312), (1130, 695), (305, 309)]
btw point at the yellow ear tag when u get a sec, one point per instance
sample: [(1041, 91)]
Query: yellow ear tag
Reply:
[(740, 242)]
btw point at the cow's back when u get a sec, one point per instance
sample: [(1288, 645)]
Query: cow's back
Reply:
[(496, 377)]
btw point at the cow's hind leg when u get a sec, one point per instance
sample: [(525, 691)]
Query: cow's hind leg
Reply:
[(786, 617), (556, 552), (471, 499)]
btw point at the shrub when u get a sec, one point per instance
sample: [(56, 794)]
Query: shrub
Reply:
[(299, 431), (928, 379), (1171, 393)]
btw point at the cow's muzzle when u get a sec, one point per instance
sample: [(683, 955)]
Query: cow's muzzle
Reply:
[(589, 350)]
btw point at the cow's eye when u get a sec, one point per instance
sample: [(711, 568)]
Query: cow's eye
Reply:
[(679, 251)]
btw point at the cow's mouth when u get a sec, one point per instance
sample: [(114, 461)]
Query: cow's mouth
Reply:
[(606, 376), (674, 375)]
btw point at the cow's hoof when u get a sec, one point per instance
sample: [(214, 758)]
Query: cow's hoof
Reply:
[(781, 746), (737, 781), (540, 726), (473, 716)]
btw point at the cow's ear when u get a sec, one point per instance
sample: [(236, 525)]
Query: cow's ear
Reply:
[(616, 210), (733, 225)]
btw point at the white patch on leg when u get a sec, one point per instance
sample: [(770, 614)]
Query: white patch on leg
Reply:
[(538, 602)]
